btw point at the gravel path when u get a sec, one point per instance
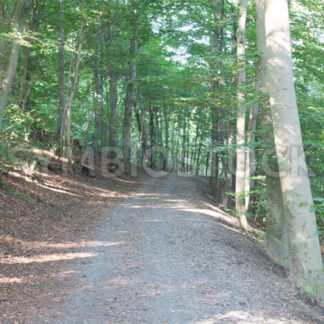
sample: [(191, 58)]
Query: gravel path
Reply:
[(164, 258)]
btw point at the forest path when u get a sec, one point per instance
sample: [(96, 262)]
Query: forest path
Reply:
[(164, 258)]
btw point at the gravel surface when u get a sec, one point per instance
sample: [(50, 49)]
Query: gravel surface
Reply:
[(163, 257)]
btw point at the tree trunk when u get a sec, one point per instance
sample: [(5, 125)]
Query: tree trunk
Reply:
[(214, 155), (130, 97), (61, 76), (68, 147), (166, 153), (142, 136), (240, 124), (183, 151), (145, 135), (207, 162), (152, 138), (250, 162), (304, 245), (13, 61), (228, 187), (26, 80), (198, 159), (99, 102), (159, 142), (276, 227), (114, 112), (113, 98)]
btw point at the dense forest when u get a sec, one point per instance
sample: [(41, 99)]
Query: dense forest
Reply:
[(226, 89)]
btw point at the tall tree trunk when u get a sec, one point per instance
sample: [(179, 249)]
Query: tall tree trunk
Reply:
[(183, 151), (215, 87), (114, 111), (214, 155), (61, 76), (68, 143), (207, 162), (166, 154), (304, 246), (198, 158), (130, 96), (99, 100), (188, 144), (276, 226), (152, 138), (145, 134), (240, 124), (176, 159), (174, 140), (142, 133), (228, 187), (217, 41), (13, 60), (26, 81), (113, 98), (159, 141), (250, 162)]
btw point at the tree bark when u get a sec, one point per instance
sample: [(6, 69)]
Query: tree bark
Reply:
[(142, 133), (214, 155), (183, 151), (152, 138), (61, 76), (68, 144), (113, 97), (26, 82), (240, 124), (99, 102), (130, 96), (207, 162), (198, 158), (215, 43), (276, 226), (166, 154), (304, 246), (250, 162), (114, 112), (228, 187)]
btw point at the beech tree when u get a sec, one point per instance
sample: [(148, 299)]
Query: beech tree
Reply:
[(276, 225), (305, 254), (241, 120)]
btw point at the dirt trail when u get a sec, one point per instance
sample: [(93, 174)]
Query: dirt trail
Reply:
[(162, 257)]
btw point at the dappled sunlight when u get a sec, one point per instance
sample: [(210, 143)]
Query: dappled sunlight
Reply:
[(15, 280), (36, 245), (119, 282), (63, 191), (240, 317), (179, 201), (223, 217), (83, 244), (47, 258), (31, 278), (147, 195), (246, 317)]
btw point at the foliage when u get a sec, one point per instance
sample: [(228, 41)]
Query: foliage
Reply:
[(177, 70)]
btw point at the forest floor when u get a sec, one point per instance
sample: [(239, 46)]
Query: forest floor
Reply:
[(148, 250)]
